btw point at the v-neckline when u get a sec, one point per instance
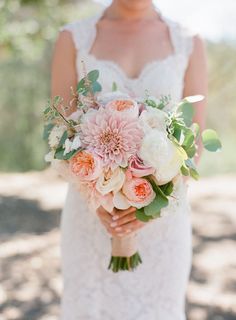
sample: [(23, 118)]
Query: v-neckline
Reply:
[(147, 66)]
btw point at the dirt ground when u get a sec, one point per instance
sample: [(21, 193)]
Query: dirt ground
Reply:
[(30, 281)]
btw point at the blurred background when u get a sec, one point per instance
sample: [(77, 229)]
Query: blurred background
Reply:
[(31, 195)]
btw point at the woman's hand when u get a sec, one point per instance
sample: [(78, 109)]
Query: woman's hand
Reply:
[(120, 222)]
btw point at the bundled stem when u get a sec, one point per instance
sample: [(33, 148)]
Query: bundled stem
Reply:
[(124, 263)]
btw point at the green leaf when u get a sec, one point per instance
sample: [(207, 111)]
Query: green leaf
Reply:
[(63, 139), (191, 151), (194, 174), (47, 130), (140, 215), (71, 153), (93, 75), (167, 188), (196, 129), (151, 103), (154, 208), (114, 86), (184, 170), (188, 138), (210, 140), (59, 153), (96, 87), (192, 169), (187, 111)]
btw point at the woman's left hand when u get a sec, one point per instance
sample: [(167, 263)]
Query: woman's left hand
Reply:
[(125, 221)]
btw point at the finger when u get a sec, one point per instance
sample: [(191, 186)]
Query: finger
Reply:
[(117, 214), (116, 233), (105, 216), (131, 226), (128, 218)]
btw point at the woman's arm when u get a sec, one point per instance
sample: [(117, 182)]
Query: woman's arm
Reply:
[(63, 69), (196, 82)]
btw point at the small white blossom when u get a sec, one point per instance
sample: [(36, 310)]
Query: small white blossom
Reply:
[(49, 156), (76, 144), (55, 135), (68, 145)]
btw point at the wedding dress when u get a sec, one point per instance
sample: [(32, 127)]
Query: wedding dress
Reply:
[(156, 289)]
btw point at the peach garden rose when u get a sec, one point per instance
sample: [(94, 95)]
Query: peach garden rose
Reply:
[(85, 165), (136, 192)]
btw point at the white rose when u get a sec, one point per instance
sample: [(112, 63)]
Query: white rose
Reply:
[(153, 118), (110, 181), (162, 154), (55, 135)]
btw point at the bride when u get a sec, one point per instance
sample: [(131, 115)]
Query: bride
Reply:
[(132, 44)]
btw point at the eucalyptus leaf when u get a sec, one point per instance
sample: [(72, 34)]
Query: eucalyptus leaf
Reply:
[(210, 140), (184, 170), (93, 75), (194, 174), (191, 151), (96, 87), (63, 139), (167, 188), (140, 215), (187, 111), (188, 139), (59, 153), (196, 129), (156, 205)]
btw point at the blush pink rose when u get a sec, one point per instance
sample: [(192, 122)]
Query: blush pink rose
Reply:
[(85, 165), (136, 192), (138, 168)]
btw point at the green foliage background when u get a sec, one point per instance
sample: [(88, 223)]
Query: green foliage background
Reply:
[(28, 29)]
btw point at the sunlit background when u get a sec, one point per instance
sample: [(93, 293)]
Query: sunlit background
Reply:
[(31, 195)]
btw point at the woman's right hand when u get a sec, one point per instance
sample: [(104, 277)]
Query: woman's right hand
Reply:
[(108, 221)]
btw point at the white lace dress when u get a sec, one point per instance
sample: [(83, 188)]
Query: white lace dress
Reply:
[(156, 290)]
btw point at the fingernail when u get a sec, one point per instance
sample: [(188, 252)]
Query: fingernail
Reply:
[(115, 217), (118, 229), (128, 230), (120, 234), (113, 224)]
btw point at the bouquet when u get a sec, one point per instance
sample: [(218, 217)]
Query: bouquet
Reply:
[(120, 151)]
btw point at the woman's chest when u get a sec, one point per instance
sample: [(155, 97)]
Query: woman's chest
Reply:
[(132, 46)]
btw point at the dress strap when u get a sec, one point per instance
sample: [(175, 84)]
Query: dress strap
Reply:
[(182, 38), (83, 31)]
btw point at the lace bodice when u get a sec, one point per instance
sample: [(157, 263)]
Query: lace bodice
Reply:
[(172, 68), (156, 290)]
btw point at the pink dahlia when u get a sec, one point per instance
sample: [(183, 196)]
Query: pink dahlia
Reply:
[(112, 136)]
